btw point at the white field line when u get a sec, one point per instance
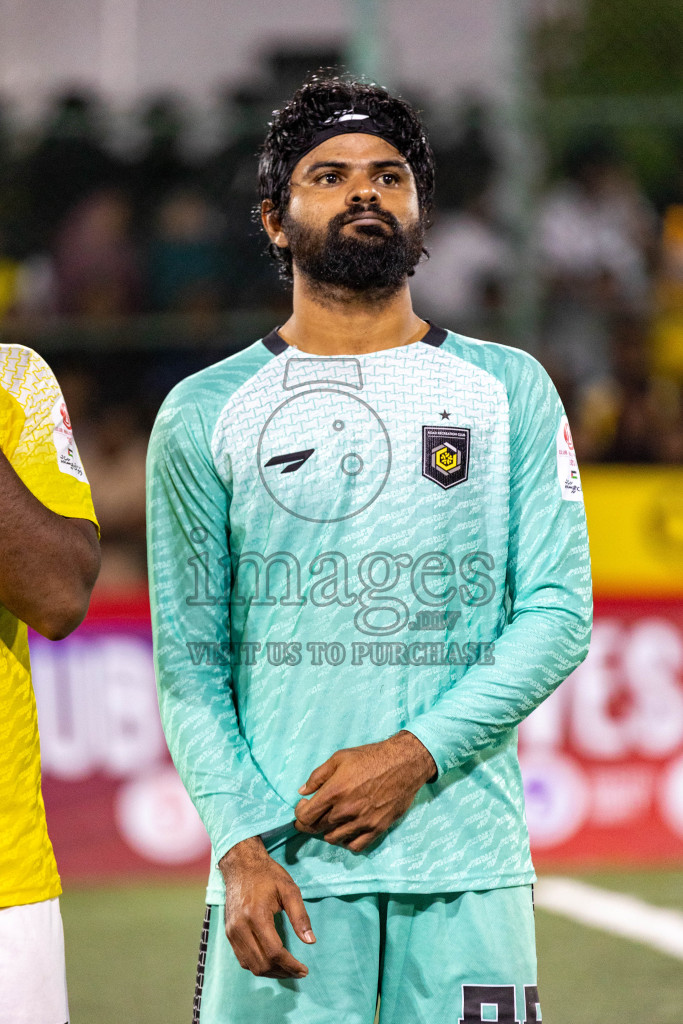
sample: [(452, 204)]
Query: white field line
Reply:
[(613, 912)]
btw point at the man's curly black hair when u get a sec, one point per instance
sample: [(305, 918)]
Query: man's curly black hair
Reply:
[(295, 125)]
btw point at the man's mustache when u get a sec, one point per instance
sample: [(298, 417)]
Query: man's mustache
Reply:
[(358, 211)]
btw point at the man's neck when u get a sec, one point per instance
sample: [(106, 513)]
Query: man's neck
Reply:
[(326, 324)]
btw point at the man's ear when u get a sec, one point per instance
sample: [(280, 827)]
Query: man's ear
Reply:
[(271, 222)]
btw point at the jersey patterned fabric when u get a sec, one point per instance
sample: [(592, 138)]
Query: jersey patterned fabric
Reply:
[(343, 547), (36, 438)]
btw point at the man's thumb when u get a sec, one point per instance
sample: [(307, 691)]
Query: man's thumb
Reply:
[(317, 777)]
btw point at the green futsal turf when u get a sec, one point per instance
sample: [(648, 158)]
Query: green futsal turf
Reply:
[(132, 953), (589, 977)]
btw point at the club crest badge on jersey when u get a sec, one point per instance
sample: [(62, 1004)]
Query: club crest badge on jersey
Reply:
[(446, 455)]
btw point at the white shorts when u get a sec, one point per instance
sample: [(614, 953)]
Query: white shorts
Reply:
[(32, 970)]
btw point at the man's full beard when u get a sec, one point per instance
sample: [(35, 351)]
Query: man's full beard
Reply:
[(374, 262)]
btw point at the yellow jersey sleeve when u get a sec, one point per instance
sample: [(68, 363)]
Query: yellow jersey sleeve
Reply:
[(36, 438), (36, 434)]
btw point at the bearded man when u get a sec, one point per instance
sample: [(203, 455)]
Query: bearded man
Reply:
[(368, 564)]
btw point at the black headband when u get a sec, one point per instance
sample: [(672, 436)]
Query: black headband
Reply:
[(344, 122)]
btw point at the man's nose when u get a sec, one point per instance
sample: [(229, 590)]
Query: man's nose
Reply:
[(363, 192)]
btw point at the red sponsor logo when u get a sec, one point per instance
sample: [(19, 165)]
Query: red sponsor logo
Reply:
[(568, 436), (65, 416)]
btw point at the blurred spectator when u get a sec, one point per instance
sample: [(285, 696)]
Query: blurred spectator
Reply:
[(162, 167), (114, 455), (5, 138), (96, 265), (113, 444), (243, 112), (632, 415), (668, 321), (467, 162), (14, 194), (596, 241), (464, 282), (35, 292), (462, 285), (186, 259), (230, 180), (67, 165), (670, 192), (9, 272)]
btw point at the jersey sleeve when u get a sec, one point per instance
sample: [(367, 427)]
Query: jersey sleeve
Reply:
[(189, 575), (40, 443), (549, 594)]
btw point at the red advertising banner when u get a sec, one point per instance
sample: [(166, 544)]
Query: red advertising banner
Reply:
[(115, 805), (602, 759)]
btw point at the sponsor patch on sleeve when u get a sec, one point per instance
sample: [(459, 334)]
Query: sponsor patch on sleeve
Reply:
[(68, 459), (567, 466)]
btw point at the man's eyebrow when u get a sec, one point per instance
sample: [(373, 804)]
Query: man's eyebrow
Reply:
[(390, 163), (342, 165)]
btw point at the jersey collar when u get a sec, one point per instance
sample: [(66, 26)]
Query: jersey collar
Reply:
[(276, 344)]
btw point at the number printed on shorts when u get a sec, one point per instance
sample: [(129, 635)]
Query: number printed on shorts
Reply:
[(482, 1004)]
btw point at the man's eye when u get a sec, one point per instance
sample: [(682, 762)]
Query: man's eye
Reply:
[(388, 179), (329, 177)]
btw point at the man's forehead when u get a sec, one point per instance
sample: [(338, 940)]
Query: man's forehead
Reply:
[(352, 148)]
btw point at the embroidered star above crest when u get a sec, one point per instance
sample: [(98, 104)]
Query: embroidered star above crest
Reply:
[(445, 415)]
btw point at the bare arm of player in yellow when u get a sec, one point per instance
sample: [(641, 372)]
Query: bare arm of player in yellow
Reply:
[(48, 563)]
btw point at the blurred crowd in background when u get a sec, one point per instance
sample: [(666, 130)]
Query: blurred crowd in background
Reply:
[(132, 258)]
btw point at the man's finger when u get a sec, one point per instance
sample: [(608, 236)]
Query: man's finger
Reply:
[(276, 957), (362, 841), (295, 909), (310, 830), (310, 812), (284, 965), (318, 776), (344, 834), (246, 948)]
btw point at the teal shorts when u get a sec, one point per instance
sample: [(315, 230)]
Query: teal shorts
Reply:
[(455, 958)]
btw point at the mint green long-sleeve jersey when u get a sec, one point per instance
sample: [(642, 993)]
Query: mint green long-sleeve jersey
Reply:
[(343, 547)]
